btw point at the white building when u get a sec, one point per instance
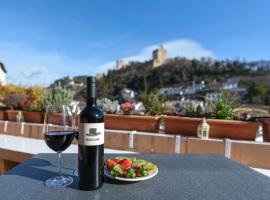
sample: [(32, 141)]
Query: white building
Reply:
[(171, 91), (230, 84), (3, 72), (191, 90), (128, 94)]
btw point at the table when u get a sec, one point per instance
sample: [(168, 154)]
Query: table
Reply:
[(180, 177)]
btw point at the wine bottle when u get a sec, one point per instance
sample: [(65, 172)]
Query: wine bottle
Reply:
[(91, 142)]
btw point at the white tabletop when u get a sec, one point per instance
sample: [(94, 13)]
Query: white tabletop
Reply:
[(35, 146)]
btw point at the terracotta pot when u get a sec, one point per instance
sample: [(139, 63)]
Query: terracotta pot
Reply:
[(233, 129), (266, 129), (11, 115), (181, 125), (132, 122), (57, 119), (34, 117), (3, 115)]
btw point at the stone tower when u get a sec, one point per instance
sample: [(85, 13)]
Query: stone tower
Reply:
[(159, 56), (120, 64), (99, 76)]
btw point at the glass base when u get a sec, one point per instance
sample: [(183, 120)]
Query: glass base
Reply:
[(59, 181), (75, 173)]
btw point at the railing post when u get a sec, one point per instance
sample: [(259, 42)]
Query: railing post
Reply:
[(5, 126), (177, 143), (130, 139), (22, 128), (228, 148)]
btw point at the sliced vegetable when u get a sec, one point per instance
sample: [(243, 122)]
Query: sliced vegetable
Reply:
[(130, 173), (110, 163), (129, 167), (125, 164)]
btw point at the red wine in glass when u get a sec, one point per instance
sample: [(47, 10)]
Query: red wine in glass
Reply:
[(59, 131), (59, 141)]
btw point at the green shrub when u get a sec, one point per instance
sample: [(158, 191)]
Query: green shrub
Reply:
[(193, 111), (154, 103), (56, 96), (107, 105), (222, 107)]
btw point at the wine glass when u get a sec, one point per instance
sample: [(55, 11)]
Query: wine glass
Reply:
[(59, 130)]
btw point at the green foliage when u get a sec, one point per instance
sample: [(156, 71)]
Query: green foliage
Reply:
[(259, 90), (192, 111), (255, 89), (154, 103), (222, 107), (107, 105), (56, 96)]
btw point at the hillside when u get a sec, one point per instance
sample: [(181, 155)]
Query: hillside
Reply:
[(176, 72)]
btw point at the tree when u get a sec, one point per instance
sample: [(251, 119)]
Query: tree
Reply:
[(256, 90)]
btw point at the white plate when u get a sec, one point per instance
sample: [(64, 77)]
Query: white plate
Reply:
[(107, 173)]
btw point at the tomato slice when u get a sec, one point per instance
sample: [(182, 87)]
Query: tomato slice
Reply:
[(110, 163), (117, 160)]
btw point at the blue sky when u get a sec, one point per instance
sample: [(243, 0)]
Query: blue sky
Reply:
[(42, 40)]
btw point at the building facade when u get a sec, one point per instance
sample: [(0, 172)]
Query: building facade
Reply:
[(3, 73)]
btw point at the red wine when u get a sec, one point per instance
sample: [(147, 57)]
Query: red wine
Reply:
[(91, 142), (59, 140)]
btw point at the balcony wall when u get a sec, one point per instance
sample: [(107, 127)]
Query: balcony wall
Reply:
[(254, 154)]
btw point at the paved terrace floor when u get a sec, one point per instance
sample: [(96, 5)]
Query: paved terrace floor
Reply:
[(36, 146)]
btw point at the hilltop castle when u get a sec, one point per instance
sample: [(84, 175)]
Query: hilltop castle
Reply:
[(159, 57)]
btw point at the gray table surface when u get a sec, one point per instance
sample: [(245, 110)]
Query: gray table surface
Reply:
[(180, 177)]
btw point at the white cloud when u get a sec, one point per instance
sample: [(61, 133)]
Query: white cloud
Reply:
[(181, 47), (27, 65), (23, 64), (29, 73)]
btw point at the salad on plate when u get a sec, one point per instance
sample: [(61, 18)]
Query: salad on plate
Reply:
[(130, 168)]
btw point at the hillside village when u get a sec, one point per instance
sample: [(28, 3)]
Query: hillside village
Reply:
[(180, 79)]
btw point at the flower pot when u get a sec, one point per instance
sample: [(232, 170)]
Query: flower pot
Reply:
[(232, 129), (33, 117), (266, 130), (132, 122), (57, 119), (11, 115), (181, 125), (3, 115)]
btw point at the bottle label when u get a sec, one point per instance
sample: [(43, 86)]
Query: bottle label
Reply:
[(91, 134)]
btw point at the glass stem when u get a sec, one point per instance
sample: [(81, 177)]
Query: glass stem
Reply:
[(59, 154)]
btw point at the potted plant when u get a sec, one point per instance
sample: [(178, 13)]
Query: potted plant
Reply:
[(3, 114), (130, 122), (153, 104), (266, 129), (31, 105), (56, 96), (221, 120), (186, 125), (13, 104)]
